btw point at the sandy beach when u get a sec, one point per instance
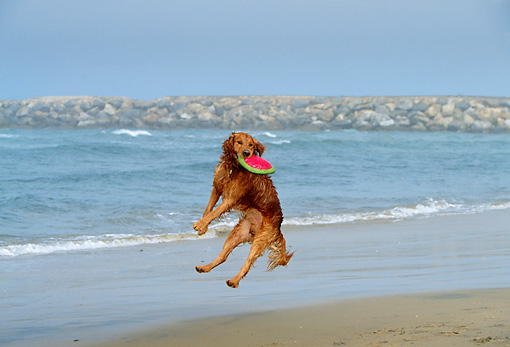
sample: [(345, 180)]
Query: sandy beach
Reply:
[(457, 318), (418, 260), (438, 281)]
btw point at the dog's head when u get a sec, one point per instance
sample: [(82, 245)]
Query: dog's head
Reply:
[(242, 145)]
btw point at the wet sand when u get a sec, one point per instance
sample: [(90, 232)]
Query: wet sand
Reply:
[(362, 285), (354, 284), (459, 318)]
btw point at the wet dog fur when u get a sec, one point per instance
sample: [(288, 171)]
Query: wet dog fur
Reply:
[(255, 197)]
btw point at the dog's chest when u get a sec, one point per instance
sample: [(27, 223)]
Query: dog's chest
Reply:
[(235, 183)]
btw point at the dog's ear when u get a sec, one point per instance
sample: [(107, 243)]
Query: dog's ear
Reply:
[(260, 148), (228, 145)]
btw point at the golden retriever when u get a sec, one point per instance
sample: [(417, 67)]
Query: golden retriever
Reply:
[(254, 195)]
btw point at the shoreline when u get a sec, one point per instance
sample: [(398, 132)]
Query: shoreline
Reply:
[(336, 304), (453, 318), (122, 295)]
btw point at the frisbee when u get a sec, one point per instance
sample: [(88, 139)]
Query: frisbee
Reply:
[(256, 165)]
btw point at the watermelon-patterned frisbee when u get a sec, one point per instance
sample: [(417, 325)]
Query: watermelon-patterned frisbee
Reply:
[(256, 165)]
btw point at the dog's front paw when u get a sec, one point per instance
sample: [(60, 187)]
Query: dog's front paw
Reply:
[(201, 227)]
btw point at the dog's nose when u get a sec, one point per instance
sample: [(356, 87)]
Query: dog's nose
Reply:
[(246, 153)]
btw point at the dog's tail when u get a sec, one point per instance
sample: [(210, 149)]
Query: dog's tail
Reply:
[(278, 255)]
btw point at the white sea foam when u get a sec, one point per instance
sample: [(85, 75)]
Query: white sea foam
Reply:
[(83, 243), (495, 206), (280, 142), (429, 208), (275, 141), (7, 136), (133, 133)]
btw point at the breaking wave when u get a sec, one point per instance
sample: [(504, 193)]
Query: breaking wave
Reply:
[(84, 243), (428, 208), (133, 133)]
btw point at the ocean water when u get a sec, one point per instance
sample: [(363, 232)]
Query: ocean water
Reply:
[(69, 191), (96, 225)]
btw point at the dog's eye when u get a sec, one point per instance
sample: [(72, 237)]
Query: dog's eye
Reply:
[(251, 144), (240, 142)]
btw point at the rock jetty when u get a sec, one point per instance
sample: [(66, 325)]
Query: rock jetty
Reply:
[(419, 113)]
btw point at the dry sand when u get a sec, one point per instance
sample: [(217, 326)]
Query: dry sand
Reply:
[(460, 318)]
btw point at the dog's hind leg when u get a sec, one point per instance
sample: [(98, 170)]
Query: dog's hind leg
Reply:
[(257, 248), (240, 234)]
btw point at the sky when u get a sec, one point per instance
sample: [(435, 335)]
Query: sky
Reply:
[(154, 48)]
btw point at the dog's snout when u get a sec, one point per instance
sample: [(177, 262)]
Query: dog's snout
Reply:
[(246, 153)]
